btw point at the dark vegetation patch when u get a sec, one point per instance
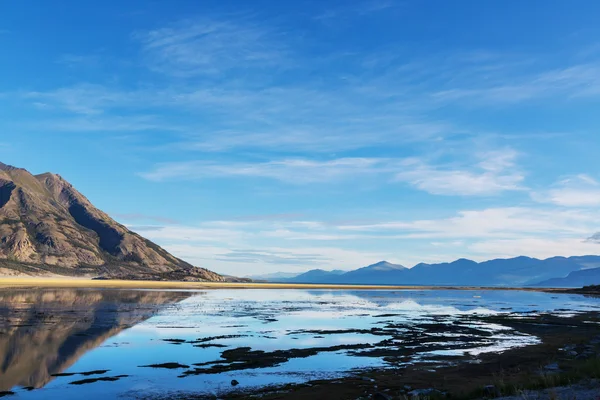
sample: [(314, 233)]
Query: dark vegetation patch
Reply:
[(102, 379), (243, 358), (204, 342), (372, 331), (169, 365), (174, 341), (87, 373), (211, 338)]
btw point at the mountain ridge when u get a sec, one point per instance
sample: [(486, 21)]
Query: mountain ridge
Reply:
[(517, 271), (45, 221)]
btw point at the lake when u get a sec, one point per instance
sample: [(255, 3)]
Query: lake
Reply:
[(105, 343)]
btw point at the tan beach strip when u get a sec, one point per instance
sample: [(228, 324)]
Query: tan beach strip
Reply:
[(91, 283)]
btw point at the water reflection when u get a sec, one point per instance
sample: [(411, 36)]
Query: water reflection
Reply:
[(44, 332), (257, 337)]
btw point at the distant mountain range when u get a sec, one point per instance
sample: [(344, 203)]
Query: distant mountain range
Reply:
[(519, 271), (48, 227), (276, 276)]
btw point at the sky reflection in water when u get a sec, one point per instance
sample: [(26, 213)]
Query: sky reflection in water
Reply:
[(121, 330)]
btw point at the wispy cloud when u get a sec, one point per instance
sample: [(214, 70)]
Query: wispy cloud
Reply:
[(210, 46), (85, 98), (506, 222), (276, 118), (570, 82), (252, 256), (295, 171), (494, 173), (576, 191)]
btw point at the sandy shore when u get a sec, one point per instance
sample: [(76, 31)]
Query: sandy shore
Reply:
[(89, 283)]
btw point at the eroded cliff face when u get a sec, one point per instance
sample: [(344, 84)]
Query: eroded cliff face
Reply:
[(45, 331), (45, 221)]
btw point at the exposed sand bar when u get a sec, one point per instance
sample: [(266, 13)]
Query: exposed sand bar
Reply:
[(89, 283)]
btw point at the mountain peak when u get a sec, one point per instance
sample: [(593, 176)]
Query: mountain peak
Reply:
[(463, 261), (385, 266)]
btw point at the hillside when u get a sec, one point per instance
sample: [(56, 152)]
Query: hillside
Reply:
[(48, 227)]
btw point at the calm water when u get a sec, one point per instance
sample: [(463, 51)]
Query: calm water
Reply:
[(303, 334)]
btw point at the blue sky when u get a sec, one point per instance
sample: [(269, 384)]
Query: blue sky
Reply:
[(253, 137)]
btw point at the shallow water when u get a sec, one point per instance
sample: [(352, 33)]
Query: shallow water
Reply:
[(304, 334)]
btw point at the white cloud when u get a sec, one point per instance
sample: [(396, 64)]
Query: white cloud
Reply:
[(496, 172), (295, 171), (575, 191), (507, 222)]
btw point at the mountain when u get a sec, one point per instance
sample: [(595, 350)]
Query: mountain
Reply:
[(313, 276), (48, 227), (518, 271), (274, 277), (575, 279), (373, 274)]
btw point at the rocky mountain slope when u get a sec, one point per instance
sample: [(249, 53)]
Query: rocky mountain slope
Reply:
[(47, 226)]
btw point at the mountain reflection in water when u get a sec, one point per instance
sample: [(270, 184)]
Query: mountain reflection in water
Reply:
[(45, 331)]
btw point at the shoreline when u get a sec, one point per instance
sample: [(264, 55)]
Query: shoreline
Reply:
[(75, 282)]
